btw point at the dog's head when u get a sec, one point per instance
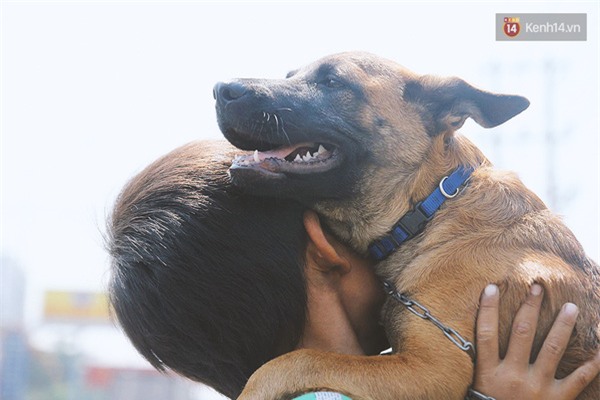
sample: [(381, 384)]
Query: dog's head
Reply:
[(313, 135)]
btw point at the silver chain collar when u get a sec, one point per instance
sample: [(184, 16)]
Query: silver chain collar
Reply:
[(421, 311)]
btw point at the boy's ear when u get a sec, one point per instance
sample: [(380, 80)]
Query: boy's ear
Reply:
[(447, 102), (323, 248)]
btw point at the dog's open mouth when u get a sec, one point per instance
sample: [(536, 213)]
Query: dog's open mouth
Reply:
[(301, 158)]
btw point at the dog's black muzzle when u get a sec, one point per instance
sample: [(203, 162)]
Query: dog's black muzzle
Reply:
[(297, 142)]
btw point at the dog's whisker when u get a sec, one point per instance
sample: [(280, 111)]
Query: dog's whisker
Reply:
[(279, 126), (290, 123), (284, 132)]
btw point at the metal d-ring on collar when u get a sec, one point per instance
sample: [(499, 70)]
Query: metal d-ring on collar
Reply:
[(446, 195)]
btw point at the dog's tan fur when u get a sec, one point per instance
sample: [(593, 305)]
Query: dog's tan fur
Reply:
[(496, 230)]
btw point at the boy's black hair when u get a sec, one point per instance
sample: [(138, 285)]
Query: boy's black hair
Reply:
[(205, 281)]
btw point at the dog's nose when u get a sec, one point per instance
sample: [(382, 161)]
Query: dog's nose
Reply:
[(226, 92)]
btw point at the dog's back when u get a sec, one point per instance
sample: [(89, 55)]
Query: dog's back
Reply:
[(499, 231)]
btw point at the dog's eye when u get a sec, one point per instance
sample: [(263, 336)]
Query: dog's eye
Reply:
[(332, 82)]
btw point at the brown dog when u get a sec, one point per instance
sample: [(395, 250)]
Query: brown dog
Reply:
[(363, 141)]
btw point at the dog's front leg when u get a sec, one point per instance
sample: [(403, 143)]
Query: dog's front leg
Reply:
[(394, 377)]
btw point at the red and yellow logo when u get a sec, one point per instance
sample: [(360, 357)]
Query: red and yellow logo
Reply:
[(511, 26)]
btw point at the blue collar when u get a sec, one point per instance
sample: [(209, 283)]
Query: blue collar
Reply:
[(414, 221)]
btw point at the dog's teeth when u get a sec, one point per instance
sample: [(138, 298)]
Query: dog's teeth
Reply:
[(256, 157), (307, 157), (298, 158), (322, 150)]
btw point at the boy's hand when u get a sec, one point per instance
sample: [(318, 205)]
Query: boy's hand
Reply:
[(513, 377)]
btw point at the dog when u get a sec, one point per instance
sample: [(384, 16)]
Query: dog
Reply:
[(367, 143)]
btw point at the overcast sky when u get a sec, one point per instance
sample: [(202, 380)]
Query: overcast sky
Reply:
[(93, 92)]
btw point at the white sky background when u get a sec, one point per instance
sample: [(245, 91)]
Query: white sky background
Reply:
[(93, 92)]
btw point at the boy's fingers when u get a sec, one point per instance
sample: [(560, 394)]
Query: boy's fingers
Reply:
[(487, 328), (579, 379), (556, 342), (524, 327)]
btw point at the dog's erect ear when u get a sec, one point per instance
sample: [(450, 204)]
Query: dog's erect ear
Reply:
[(447, 103)]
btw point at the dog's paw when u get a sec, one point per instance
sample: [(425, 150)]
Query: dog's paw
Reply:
[(278, 379)]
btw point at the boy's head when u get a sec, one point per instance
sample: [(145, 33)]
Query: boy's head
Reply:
[(205, 281)]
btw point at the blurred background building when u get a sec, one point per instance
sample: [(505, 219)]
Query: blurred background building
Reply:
[(14, 347), (60, 368)]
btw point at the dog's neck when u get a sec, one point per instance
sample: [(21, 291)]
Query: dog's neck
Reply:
[(387, 194), (414, 222)]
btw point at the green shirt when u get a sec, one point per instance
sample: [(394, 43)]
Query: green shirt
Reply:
[(323, 396)]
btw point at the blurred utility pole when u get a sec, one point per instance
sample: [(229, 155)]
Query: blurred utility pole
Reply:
[(497, 142), (552, 194)]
